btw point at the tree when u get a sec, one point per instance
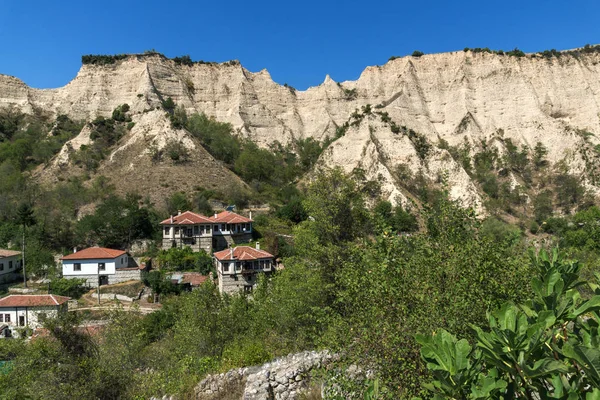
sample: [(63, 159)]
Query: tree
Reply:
[(542, 206), (178, 202), (337, 209), (539, 156), (546, 347), (25, 218)]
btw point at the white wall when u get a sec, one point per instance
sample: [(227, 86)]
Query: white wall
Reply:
[(31, 315), (90, 267), (5, 262)]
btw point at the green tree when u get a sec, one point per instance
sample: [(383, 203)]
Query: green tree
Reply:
[(178, 201), (336, 208), (546, 347), (25, 218)]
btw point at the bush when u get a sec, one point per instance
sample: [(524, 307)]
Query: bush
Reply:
[(176, 151), (95, 59), (68, 287), (417, 53)]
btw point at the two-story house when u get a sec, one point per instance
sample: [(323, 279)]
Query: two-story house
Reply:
[(199, 232), (238, 267), (10, 263), (99, 266), (18, 311)]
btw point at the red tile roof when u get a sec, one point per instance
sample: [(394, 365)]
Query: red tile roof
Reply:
[(32, 300), (194, 278), (8, 253), (242, 253), (191, 218), (186, 218), (229, 217), (94, 252)]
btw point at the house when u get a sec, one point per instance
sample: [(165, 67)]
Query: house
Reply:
[(10, 263), (20, 310), (100, 266), (188, 280), (238, 267), (199, 232)]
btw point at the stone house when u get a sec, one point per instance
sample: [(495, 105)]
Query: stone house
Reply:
[(18, 310), (199, 232), (238, 267), (100, 266), (10, 263)]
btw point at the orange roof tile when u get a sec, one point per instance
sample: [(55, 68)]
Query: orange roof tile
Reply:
[(194, 278), (8, 253), (229, 217), (94, 252), (32, 300), (242, 253), (186, 218)]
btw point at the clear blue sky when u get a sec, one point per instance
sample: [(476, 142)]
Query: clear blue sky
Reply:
[(298, 42)]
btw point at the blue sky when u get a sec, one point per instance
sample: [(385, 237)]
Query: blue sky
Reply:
[(298, 42)]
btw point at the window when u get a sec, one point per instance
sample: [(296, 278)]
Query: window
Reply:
[(247, 288), (10, 265), (6, 317), (238, 266), (177, 230), (222, 227), (101, 267), (225, 267), (196, 230), (167, 230), (77, 267), (1, 267), (1, 317), (121, 260)]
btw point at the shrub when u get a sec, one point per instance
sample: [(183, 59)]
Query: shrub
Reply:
[(102, 59), (176, 151), (417, 53)]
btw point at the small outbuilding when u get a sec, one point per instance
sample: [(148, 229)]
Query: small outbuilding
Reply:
[(29, 311)]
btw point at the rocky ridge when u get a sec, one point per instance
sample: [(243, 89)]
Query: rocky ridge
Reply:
[(457, 97)]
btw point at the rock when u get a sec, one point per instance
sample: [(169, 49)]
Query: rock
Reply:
[(453, 96)]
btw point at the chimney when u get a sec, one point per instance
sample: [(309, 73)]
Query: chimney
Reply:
[(215, 214), (250, 214), (171, 219), (231, 253), (74, 249), (257, 245), (178, 212)]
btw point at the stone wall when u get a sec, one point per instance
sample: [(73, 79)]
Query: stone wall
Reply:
[(282, 379), (222, 242), (121, 275), (124, 275), (234, 283), (198, 243)]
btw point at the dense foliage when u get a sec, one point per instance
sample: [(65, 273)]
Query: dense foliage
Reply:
[(544, 348)]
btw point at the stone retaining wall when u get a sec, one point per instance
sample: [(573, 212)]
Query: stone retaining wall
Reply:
[(282, 379), (121, 275)]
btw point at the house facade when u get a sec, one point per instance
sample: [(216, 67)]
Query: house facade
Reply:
[(99, 266), (20, 311), (10, 263), (199, 232), (238, 267)]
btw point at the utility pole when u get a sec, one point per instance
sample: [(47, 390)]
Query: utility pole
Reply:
[(23, 260), (98, 286)]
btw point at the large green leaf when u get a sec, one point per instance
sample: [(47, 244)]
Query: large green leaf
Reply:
[(544, 368)]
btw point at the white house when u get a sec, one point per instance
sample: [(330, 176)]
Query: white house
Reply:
[(10, 263), (238, 267), (19, 310), (99, 266)]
